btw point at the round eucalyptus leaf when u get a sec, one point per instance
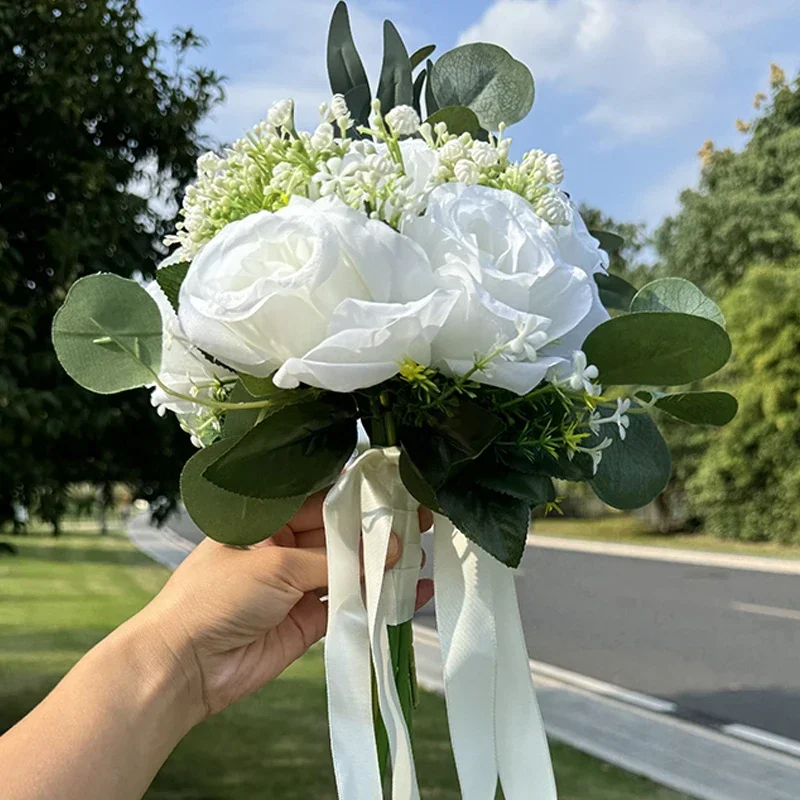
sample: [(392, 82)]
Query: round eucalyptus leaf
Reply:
[(459, 119), (635, 470), (225, 516), (107, 335), (666, 349), (700, 408), (676, 294), (487, 79)]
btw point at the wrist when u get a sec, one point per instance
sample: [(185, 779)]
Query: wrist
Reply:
[(167, 668)]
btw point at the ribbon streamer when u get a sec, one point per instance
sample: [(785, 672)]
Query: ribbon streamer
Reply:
[(495, 725)]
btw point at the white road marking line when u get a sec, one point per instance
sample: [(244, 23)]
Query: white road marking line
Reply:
[(767, 611), (757, 736), (673, 555)]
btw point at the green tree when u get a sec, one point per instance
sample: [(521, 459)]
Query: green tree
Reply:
[(87, 111), (748, 481), (747, 208)]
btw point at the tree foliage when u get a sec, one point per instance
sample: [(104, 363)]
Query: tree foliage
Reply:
[(747, 208), (91, 123), (748, 481), (628, 262)]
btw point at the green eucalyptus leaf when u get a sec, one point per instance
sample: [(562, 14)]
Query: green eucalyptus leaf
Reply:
[(615, 292), (494, 521), (697, 408), (610, 242), (418, 56), (295, 450), (438, 450), (416, 485), (170, 278), (431, 105), (486, 78), (459, 119), (107, 335), (634, 470), (667, 349), (676, 294), (419, 83), (345, 69), (228, 517), (395, 87), (536, 490)]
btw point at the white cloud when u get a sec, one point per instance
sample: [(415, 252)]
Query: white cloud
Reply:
[(286, 47), (646, 65)]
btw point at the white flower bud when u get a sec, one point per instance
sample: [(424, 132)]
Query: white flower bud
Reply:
[(466, 172), (553, 169), (426, 132), (403, 120), (551, 208), (440, 129), (208, 163), (484, 155), (339, 109), (451, 151), (323, 136), (281, 113)]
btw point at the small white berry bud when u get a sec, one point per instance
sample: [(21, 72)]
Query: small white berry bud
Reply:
[(339, 107), (403, 120), (553, 169), (322, 137), (484, 155), (281, 113), (466, 172), (451, 151)]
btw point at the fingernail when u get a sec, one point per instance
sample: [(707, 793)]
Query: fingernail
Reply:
[(395, 547)]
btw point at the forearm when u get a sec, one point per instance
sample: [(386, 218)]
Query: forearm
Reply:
[(107, 728)]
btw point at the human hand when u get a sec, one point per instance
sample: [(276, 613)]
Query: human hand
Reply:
[(236, 618)]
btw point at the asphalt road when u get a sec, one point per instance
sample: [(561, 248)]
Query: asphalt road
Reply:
[(723, 644)]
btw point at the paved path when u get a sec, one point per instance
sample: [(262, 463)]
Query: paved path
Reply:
[(639, 732)]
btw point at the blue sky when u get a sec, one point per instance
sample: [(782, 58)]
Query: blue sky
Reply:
[(627, 90)]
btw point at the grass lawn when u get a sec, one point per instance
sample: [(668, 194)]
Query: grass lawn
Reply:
[(626, 529), (59, 597)]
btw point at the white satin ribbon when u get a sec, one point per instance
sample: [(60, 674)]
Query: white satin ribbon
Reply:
[(495, 724)]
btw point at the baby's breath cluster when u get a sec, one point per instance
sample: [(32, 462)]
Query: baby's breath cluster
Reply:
[(386, 169)]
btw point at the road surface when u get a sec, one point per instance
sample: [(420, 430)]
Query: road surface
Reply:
[(724, 644)]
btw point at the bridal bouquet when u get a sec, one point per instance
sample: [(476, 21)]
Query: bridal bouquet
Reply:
[(395, 270)]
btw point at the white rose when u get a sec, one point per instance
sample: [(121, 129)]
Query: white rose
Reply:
[(420, 163), (183, 368), (266, 288), (516, 293)]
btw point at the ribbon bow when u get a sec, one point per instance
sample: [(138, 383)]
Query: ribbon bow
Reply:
[(495, 725)]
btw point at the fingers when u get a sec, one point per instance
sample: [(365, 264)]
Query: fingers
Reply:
[(309, 517), (424, 593), (425, 519)]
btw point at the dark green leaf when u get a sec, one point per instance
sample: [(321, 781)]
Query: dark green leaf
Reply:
[(615, 292), (345, 69), (578, 469), (666, 349), (496, 522), (610, 242), (296, 450), (699, 408), (634, 471), (225, 516), (431, 105), (536, 490), (459, 119), (358, 100), (418, 56), (170, 279), (107, 335), (437, 451), (484, 77), (676, 294), (395, 87), (418, 85), (417, 486)]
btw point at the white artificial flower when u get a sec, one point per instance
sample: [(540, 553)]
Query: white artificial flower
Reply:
[(420, 162), (337, 175), (466, 171), (281, 113), (403, 120), (619, 418), (503, 260), (531, 335), (322, 138), (367, 342), (595, 453), (583, 374), (451, 151), (184, 369), (266, 288)]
